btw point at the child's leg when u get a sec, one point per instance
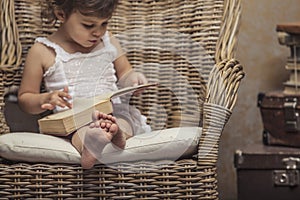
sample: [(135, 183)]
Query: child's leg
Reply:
[(125, 132), (125, 122)]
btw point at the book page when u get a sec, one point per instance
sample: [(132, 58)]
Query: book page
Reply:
[(81, 104), (131, 89)]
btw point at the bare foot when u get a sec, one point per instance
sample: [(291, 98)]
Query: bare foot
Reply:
[(100, 132), (119, 138)]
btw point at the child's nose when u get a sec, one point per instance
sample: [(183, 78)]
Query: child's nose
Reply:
[(98, 32)]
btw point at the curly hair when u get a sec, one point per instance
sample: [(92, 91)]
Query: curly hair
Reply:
[(95, 8)]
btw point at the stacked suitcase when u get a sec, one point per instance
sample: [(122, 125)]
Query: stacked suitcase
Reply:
[(270, 170), (280, 110)]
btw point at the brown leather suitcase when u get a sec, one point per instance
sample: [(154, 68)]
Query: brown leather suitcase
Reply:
[(281, 118), (267, 172)]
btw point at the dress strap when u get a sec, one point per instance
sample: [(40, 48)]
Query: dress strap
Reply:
[(61, 54)]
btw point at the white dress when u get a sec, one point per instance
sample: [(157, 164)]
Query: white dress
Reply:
[(87, 74)]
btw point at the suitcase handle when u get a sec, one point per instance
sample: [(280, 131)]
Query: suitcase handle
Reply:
[(291, 162)]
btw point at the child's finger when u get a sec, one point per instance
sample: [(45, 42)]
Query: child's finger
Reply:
[(47, 106), (68, 104), (142, 79), (65, 97)]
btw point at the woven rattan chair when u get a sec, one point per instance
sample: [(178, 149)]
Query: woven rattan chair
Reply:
[(188, 47)]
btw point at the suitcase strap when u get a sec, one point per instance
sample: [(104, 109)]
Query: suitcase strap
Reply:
[(292, 119)]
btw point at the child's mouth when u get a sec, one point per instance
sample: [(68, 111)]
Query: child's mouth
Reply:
[(93, 41)]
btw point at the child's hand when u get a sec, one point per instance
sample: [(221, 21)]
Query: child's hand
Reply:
[(57, 98), (132, 78)]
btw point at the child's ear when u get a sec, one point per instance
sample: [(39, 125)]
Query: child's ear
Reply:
[(60, 15)]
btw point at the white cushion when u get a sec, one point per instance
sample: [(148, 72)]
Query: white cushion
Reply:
[(33, 147), (165, 144), (168, 144)]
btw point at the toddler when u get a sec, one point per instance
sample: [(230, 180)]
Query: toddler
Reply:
[(82, 59)]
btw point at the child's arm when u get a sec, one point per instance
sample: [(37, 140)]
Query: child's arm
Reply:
[(29, 96), (125, 73)]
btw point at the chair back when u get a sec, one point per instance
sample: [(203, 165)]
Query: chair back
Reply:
[(175, 43)]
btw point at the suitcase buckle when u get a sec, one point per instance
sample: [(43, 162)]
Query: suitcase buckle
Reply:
[(288, 177), (291, 115)]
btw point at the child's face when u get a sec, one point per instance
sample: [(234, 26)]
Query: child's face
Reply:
[(85, 30)]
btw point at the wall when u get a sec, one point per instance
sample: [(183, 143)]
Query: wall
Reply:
[(263, 60)]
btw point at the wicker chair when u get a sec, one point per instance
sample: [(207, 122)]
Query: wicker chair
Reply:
[(185, 45)]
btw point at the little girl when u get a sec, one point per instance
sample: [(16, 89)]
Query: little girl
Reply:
[(82, 59)]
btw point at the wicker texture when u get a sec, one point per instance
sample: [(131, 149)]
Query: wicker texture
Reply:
[(10, 57), (188, 47)]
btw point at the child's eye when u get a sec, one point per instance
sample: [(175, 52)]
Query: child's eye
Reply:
[(88, 26), (105, 24)]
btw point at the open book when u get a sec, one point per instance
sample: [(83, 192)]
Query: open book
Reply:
[(67, 121)]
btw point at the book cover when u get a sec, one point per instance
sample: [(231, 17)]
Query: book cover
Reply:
[(65, 122)]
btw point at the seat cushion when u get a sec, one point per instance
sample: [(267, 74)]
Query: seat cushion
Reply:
[(168, 144)]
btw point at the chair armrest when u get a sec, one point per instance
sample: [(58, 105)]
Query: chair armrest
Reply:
[(221, 97), (224, 82)]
